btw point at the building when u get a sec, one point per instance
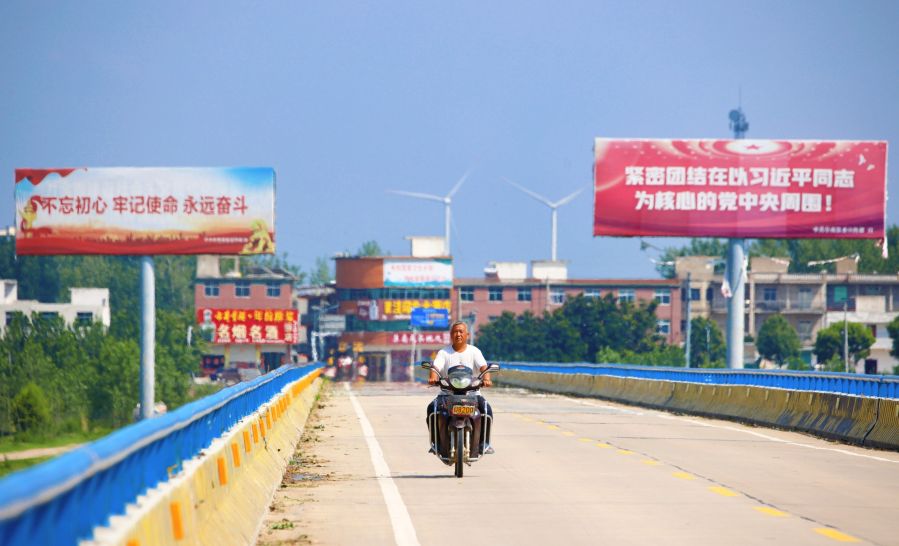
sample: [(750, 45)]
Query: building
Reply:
[(506, 286), (378, 297), (249, 321), (809, 301), (86, 305)]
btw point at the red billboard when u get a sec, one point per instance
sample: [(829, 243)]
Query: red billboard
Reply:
[(740, 188), (254, 326)]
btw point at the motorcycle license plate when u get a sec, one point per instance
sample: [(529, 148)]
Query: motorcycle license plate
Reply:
[(463, 410)]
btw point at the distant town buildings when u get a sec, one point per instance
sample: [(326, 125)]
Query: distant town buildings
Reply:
[(86, 306), (808, 301)]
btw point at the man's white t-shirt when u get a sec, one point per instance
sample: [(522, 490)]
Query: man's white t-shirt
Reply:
[(471, 357)]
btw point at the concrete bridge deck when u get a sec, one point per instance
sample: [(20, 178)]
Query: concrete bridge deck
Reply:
[(574, 471)]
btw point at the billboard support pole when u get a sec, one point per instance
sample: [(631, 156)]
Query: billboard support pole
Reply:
[(689, 332), (736, 260), (147, 337)]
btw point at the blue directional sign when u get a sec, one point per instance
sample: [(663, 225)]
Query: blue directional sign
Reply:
[(424, 317)]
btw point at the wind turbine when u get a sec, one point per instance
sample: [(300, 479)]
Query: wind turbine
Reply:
[(553, 206), (447, 201)]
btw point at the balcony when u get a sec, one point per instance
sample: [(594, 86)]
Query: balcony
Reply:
[(719, 305)]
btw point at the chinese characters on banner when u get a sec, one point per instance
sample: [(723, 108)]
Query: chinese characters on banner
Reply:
[(409, 338), (255, 326), (740, 188), (418, 273), (145, 211), (402, 309)]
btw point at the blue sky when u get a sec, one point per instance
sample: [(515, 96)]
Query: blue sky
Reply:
[(349, 99)]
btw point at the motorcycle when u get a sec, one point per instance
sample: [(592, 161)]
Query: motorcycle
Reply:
[(454, 419)]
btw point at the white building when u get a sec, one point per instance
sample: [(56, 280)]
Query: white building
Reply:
[(86, 305), (870, 311)]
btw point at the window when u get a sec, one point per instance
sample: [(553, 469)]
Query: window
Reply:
[(10, 315), (695, 294), (557, 296), (48, 315), (805, 329), (242, 289), (591, 292), (524, 293), (663, 327), (273, 289), (769, 293), (495, 293), (663, 296), (466, 293), (84, 318), (625, 294), (211, 289)]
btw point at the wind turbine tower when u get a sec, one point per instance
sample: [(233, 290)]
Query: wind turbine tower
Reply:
[(554, 206), (447, 201)]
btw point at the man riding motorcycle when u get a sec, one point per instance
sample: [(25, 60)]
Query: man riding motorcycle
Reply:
[(461, 353)]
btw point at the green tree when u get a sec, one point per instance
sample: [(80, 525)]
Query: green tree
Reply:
[(829, 345), (30, 409), (321, 273), (370, 248), (707, 348), (777, 340), (893, 329)]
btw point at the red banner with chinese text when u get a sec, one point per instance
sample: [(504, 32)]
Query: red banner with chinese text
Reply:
[(254, 326), (740, 188)]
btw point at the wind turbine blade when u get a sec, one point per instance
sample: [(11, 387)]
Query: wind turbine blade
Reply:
[(564, 200), (458, 185), (536, 196), (417, 195)]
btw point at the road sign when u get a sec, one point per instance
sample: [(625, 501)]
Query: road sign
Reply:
[(424, 317), (332, 323)]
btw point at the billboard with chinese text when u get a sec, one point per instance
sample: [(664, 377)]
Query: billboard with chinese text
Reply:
[(145, 211), (254, 326), (740, 188), (418, 273)]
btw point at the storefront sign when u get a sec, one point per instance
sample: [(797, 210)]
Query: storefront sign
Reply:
[(422, 338), (418, 273), (254, 326)]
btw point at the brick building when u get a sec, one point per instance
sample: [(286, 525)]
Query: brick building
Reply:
[(506, 286), (249, 321)]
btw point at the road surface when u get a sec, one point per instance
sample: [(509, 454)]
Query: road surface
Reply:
[(573, 471)]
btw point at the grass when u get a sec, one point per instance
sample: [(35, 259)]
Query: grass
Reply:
[(9, 444), (8, 467)]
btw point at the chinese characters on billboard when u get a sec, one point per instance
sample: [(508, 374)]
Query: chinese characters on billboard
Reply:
[(256, 326), (145, 211), (395, 309), (740, 188), (406, 338)]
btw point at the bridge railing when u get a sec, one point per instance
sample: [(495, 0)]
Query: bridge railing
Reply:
[(62, 500), (880, 386)]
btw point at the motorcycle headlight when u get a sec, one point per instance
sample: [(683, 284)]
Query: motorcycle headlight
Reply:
[(460, 382)]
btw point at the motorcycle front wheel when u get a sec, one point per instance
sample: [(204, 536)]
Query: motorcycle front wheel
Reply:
[(460, 447)]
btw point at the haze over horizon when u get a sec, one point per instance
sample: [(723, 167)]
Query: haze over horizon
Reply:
[(347, 101)]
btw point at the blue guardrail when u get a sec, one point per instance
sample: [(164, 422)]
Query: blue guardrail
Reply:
[(62, 500), (880, 386)]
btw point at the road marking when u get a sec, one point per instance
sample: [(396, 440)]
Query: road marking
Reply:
[(603, 445), (552, 427), (650, 462), (567, 433), (767, 510), (835, 535), (723, 491), (403, 530), (775, 439), (684, 475), (585, 439), (625, 452)]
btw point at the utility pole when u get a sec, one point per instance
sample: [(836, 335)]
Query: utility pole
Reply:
[(736, 256), (846, 334), (689, 326)]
